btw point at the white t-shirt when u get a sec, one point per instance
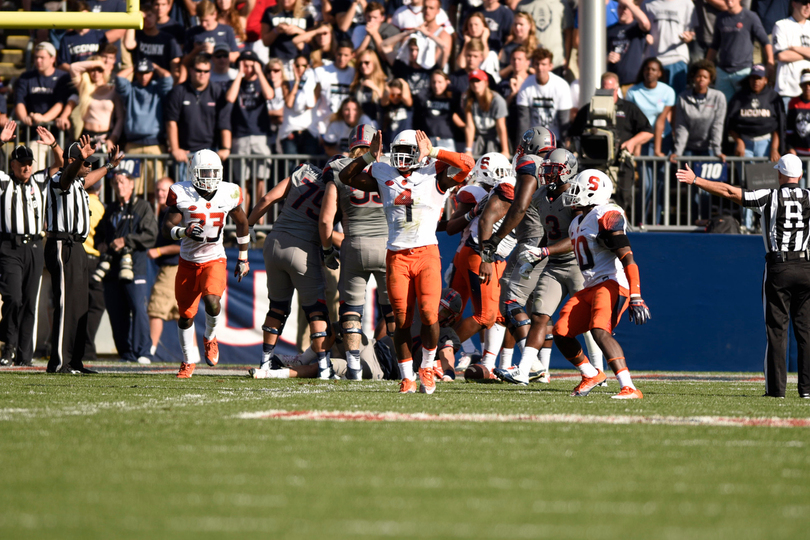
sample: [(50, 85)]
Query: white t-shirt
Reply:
[(545, 101), (789, 33), (334, 89), (669, 19), (301, 117), (338, 132), (408, 17)]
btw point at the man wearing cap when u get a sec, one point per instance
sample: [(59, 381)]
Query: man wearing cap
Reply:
[(221, 71), (143, 100), (22, 219), (786, 284)]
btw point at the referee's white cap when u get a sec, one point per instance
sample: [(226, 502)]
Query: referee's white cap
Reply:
[(790, 165)]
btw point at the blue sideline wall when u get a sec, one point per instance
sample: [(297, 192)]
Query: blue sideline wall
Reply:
[(704, 292)]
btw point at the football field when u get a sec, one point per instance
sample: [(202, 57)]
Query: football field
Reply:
[(135, 453)]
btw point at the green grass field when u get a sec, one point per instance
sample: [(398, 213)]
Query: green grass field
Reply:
[(137, 455)]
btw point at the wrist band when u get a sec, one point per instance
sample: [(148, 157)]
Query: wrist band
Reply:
[(54, 145), (243, 255), (434, 152), (242, 240), (159, 253), (468, 149), (468, 216), (368, 158), (178, 233)]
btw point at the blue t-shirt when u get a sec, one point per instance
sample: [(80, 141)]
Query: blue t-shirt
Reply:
[(160, 49), (249, 114), (734, 39), (221, 34), (500, 25), (652, 101), (283, 47), (76, 48), (38, 92), (629, 40)]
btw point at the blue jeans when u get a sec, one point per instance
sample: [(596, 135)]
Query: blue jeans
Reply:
[(729, 82), (654, 171), (675, 75), (126, 306)]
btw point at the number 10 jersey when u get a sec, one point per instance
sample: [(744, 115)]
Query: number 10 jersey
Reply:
[(596, 262), (211, 214)]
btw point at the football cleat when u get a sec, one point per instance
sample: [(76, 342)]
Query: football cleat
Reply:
[(407, 386), (628, 393), (438, 372), (354, 374), (539, 376), (512, 375), (428, 381), (588, 384), (211, 351), (603, 384), (185, 370)]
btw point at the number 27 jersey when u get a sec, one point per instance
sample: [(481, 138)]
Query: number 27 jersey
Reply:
[(210, 213), (596, 262)]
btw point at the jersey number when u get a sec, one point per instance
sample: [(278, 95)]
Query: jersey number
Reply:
[(404, 199), (583, 253), (361, 198), (311, 189), (554, 224), (217, 221)]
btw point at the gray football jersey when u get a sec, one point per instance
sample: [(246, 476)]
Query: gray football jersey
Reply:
[(555, 217), (302, 207), (530, 228), (363, 212)]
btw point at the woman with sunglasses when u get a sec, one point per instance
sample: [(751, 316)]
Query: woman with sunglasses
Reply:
[(274, 71), (298, 133), (100, 108)]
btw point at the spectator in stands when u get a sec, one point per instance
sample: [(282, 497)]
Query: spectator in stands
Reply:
[(274, 72), (672, 27), (772, 11), (734, 34), (153, 44), (128, 230), (439, 115), (165, 23), (475, 27), (375, 30), (143, 100), (413, 15), (798, 119), (197, 116), (100, 108), (348, 14), (321, 43), (280, 24), (509, 88), (341, 125), (209, 33), (706, 11), (298, 132), (333, 82), (521, 35), (545, 99), (791, 43), (554, 26), (221, 71), (700, 112), (626, 41), (499, 19), (166, 254), (80, 45), (756, 118), (473, 59), (227, 14), (368, 85), (485, 118), (433, 39), (656, 100), (397, 105), (417, 77)]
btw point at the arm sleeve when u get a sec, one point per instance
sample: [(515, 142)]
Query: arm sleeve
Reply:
[(755, 198), (231, 39), (680, 133), (457, 165), (123, 87), (146, 234), (716, 132), (780, 38), (758, 30), (21, 90), (165, 86)]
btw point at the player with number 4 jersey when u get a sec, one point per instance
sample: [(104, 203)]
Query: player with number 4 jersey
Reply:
[(198, 209), (611, 280), (413, 192)]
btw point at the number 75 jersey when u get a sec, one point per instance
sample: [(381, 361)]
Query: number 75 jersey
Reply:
[(210, 213), (596, 262)]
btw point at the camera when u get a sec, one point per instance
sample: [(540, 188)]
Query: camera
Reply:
[(102, 267), (125, 271)]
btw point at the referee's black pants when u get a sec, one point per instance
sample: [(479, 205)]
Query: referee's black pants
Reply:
[(67, 263), (786, 294), (20, 277)]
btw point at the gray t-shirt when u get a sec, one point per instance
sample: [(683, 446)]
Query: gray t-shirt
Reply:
[(363, 212), (551, 19), (302, 207), (485, 120), (669, 19)]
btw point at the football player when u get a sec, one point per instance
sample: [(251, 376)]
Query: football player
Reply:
[(197, 212), (362, 253), (413, 192), (611, 282), (292, 258)]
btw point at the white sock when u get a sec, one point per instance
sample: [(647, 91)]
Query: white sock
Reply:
[(493, 339), (545, 358), (594, 352), (623, 376), (190, 351), (489, 359), (506, 358), (587, 369), (406, 369), (526, 361), (468, 347), (353, 359), (521, 345), (211, 324), (153, 350), (324, 360), (428, 358), (278, 373)]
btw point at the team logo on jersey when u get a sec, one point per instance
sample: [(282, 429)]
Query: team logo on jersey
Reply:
[(208, 205), (192, 208), (389, 183)]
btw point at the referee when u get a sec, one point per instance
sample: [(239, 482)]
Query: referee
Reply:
[(22, 216), (68, 217), (786, 284)]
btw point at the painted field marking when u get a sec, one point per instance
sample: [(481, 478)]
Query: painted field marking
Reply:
[(369, 416)]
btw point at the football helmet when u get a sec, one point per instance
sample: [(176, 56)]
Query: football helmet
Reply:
[(490, 169), (362, 135), (535, 141), (559, 166), (450, 302), (405, 151), (589, 188), (205, 171)]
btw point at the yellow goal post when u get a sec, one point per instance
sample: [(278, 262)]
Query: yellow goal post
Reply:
[(33, 20)]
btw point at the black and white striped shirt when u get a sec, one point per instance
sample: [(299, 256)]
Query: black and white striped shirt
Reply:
[(68, 211), (785, 216), (22, 205)]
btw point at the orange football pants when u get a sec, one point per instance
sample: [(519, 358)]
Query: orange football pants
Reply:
[(485, 297), (600, 306), (195, 280), (414, 275)]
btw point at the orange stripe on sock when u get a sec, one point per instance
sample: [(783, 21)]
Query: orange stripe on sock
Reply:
[(617, 358), (623, 369)]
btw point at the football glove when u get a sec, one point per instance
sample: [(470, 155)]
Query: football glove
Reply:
[(488, 249), (533, 255), (242, 269), (331, 258), (196, 232), (526, 270), (506, 246), (639, 312)]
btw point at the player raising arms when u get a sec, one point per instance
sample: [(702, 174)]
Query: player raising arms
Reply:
[(198, 208), (413, 195), (600, 244), (292, 258)]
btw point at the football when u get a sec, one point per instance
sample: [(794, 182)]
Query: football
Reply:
[(476, 372)]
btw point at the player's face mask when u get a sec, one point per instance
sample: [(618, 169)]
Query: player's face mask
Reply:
[(404, 157), (207, 179)]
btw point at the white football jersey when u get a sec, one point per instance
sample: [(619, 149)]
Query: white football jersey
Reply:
[(413, 205), (473, 195), (212, 214), (596, 262)]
